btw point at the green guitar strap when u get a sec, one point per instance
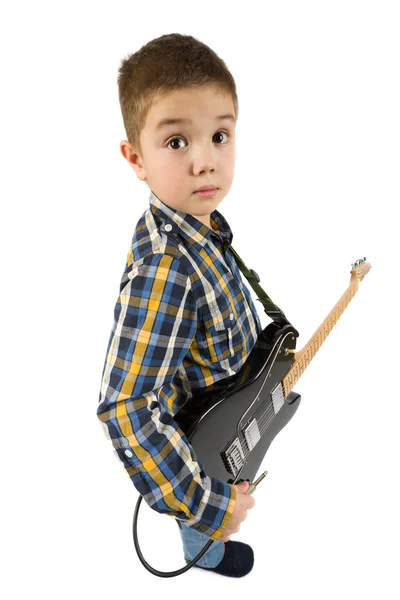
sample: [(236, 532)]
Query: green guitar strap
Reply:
[(271, 309)]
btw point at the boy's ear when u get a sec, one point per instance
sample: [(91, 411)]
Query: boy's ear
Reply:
[(130, 153)]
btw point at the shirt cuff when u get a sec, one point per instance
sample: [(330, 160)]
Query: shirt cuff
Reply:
[(216, 508)]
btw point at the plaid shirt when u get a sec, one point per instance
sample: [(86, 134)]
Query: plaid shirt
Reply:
[(183, 320)]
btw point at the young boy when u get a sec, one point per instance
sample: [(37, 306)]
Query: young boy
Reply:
[(184, 318)]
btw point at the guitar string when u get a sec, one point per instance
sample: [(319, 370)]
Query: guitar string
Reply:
[(263, 424), (265, 421), (262, 431), (270, 415)]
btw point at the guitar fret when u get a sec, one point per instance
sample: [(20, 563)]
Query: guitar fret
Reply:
[(307, 354)]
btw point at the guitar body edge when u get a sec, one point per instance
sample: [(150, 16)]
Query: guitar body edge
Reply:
[(213, 466)]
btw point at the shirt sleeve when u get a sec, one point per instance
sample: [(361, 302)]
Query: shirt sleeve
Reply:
[(155, 321)]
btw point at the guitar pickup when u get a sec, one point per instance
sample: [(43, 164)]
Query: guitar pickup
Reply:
[(251, 434), (278, 398)]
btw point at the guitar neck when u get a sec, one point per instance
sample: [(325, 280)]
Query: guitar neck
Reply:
[(303, 358)]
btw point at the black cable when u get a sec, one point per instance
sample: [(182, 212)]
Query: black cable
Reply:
[(146, 564)]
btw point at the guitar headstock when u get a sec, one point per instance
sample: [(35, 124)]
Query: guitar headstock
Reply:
[(359, 269)]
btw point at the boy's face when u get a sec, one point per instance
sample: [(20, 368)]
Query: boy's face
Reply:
[(179, 158)]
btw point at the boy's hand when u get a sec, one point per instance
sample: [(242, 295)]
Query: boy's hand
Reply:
[(243, 503)]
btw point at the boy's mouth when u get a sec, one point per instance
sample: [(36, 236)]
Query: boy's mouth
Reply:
[(204, 193), (205, 188)]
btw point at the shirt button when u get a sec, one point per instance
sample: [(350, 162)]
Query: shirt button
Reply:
[(231, 316), (128, 453), (168, 227)]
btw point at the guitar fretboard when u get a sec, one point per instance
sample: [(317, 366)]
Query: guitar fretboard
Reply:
[(305, 356)]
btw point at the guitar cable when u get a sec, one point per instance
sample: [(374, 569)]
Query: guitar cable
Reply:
[(189, 565)]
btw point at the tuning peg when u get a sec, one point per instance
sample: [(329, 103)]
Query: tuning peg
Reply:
[(358, 262)]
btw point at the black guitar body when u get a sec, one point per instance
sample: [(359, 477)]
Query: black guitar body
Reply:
[(231, 424)]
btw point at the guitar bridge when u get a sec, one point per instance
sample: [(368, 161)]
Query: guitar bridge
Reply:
[(233, 457)]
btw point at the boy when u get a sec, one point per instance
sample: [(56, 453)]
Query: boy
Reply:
[(184, 318)]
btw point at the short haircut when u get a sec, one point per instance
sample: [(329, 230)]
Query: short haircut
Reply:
[(163, 65)]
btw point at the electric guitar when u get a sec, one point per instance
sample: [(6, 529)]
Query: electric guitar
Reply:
[(231, 424)]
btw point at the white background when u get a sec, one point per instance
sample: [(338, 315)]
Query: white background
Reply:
[(316, 187)]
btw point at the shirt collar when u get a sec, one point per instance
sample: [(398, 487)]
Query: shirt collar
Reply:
[(187, 226)]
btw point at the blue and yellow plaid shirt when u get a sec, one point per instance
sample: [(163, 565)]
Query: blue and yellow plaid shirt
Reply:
[(183, 320)]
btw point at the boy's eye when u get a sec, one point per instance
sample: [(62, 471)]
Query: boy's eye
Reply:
[(178, 137)]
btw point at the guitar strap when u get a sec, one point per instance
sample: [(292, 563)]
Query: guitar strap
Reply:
[(271, 309)]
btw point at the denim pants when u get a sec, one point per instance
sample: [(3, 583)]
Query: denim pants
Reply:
[(194, 541)]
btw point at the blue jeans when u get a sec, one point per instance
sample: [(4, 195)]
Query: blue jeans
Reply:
[(194, 541)]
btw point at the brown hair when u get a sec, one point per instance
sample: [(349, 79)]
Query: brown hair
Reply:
[(165, 64)]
